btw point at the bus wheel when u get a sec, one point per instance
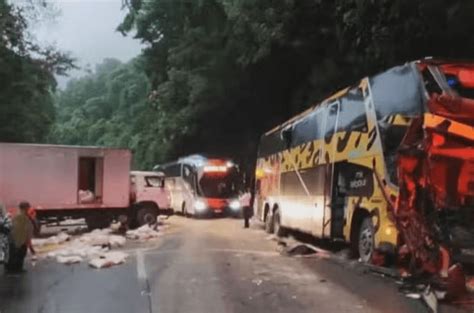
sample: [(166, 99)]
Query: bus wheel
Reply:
[(269, 224), (279, 230), (366, 240)]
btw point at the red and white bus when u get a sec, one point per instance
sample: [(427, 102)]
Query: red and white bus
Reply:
[(202, 186)]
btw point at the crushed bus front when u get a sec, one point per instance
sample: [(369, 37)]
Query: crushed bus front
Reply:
[(434, 211)]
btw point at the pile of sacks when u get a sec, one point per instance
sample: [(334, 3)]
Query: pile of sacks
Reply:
[(53, 240), (142, 233), (94, 247)]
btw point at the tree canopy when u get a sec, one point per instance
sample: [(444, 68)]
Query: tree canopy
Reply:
[(216, 74), (27, 83)]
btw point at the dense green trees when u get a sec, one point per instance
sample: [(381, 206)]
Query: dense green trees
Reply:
[(27, 83), (221, 72), (110, 107)]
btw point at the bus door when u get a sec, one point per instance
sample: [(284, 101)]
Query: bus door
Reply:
[(330, 129)]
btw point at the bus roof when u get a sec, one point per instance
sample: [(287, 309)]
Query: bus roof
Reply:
[(340, 93)]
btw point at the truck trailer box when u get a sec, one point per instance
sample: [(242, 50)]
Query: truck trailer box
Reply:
[(53, 177)]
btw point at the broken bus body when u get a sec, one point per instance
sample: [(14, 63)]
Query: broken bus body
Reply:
[(386, 165)]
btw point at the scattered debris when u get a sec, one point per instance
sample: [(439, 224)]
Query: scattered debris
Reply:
[(470, 284), (108, 259), (413, 295), (384, 271), (440, 295), (116, 241), (93, 247), (53, 240), (257, 282), (73, 222), (344, 254), (142, 233), (299, 249), (272, 237), (430, 299), (69, 259)]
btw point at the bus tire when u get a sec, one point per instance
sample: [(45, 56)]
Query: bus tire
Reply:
[(365, 240), (269, 224), (147, 215), (279, 230)]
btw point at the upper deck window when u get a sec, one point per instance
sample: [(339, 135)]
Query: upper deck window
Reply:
[(309, 128), (397, 91), (352, 112)]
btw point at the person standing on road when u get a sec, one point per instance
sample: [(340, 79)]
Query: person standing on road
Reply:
[(20, 238), (248, 204)]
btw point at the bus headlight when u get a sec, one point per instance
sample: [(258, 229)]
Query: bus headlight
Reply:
[(234, 205), (200, 206)]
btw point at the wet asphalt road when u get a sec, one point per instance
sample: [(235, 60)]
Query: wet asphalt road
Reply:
[(203, 266)]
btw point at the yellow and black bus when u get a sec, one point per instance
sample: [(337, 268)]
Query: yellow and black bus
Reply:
[(320, 172)]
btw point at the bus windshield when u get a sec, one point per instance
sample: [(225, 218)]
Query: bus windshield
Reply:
[(218, 186)]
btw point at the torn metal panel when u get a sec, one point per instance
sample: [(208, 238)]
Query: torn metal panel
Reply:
[(435, 163)]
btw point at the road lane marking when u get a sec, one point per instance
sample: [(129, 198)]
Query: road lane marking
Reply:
[(141, 271), (143, 279)]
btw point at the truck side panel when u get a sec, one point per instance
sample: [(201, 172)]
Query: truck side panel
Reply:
[(48, 176), (117, 178)]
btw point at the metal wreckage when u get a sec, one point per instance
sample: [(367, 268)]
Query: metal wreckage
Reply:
[(434, 208)]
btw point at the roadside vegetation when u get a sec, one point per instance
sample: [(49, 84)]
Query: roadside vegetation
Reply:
[(215, 74)]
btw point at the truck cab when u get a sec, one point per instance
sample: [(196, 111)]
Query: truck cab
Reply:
[(149, 195)]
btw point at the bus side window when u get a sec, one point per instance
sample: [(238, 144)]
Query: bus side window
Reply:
[(397, 91), (331, 120), (188, 175), (309, 128), (287, 136), (271, 144), (352, 115)]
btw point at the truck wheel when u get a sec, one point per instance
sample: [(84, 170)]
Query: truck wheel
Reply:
[(147, 215), (366, 240), (279, 230), (269, 224)]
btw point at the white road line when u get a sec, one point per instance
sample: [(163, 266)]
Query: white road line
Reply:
[(141, 271)]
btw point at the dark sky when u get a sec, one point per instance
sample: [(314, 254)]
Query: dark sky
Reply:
[(86, 28)]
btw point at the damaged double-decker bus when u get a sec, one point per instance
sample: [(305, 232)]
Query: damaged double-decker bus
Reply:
[(202, 186), (386, 165)]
